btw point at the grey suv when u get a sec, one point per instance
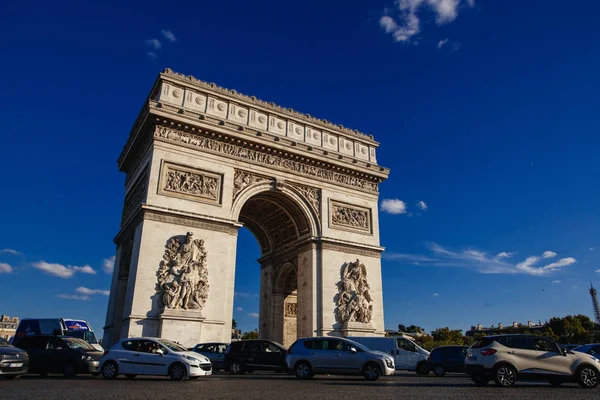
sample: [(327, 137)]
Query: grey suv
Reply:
[(509, 358), (326, 355)]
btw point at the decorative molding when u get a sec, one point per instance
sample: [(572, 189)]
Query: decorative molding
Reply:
[(138, 157), (348, 216), (279, 162), (353, 298), (190, 183), (311, 195), (349, 249), (135, 196), (183, 276), (190, 222), (243, 179)]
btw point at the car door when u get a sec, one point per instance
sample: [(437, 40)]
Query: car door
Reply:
[(126, 359), (35, 346), (551, 358), (408, 355), (320, 356), (150, 360), (252, 354), (522, 354), (344, 360), (57, 354), (273, 356)]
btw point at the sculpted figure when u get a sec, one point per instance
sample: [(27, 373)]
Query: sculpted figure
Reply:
[(354, 297)]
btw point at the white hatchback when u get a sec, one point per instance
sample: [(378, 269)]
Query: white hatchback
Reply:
[(153, 356)]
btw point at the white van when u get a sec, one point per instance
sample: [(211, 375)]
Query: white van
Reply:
[(407, 354)]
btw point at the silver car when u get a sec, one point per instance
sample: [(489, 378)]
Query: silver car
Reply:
[(336, 356)]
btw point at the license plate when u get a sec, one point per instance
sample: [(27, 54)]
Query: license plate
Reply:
[(15, 365)]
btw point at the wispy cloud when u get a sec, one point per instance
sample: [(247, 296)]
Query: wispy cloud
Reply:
[(504, 254), (422, 205), (480, 261), (89, 292), (598, 271), (404, 21), (108, 264), (556, 282), (239, 309), (73, 297), (242, 294), (5, 268), (549, 254), (154, 43), (169, 35), (592, 248), (253, 315), (441, 43), (11, 251), (62, 271), (393, 206), (436, 294)]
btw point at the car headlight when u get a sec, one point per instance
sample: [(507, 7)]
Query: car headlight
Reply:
[(389, 362), (86, 357), (192, 359)]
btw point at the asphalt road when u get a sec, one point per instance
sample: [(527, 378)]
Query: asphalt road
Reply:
[(266, 386)]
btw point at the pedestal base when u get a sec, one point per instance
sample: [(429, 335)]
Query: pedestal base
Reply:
[(358, 329), (181, 326)]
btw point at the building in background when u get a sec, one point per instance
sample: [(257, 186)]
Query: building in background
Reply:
[(495, 330), (8, 326)]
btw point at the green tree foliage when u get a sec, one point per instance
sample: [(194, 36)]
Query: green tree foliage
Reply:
[(250, 335), (233, 324)]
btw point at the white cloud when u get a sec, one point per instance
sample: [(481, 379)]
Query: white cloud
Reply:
[(73, 297), (549, 254), (253, 315), (598, 271), (441, 43), (436, 294), (154, 43), (239, 309), (422, 205), (504, 254), (393, 206), (108, 265), (556, 282), (480, 261), (62, 271), (408, 22), (241, 294), (152, 54), (5, 268), (89, 292), (592, 248), (169, 35), (11, 251)]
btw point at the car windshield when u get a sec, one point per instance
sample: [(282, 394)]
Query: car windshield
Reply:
[(78, 344), (84, 335), (171, 346), (359, 346)]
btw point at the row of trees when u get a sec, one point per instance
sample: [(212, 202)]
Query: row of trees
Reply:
[(575, 329), (246, 335)]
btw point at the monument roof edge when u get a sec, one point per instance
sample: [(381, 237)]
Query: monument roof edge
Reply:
[(322, 123)]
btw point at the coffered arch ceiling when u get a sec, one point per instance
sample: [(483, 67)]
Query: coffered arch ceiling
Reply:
[(275, 220)]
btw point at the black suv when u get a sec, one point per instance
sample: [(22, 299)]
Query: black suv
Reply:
[(60, 354), (251, 355), (447, 359)]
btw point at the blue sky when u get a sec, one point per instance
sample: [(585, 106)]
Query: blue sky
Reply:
[(487, 111)]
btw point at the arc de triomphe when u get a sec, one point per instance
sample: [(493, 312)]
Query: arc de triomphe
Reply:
[(202, 161)]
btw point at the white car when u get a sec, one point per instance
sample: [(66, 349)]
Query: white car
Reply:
[(153, 356)]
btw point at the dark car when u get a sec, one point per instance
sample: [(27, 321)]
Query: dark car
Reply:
[(592, 349), (13, 361), (214, 351), (447, 359), (252, 355), (60, 354)]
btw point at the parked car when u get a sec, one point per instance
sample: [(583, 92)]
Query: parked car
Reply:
[(59, 354), (509, 358), (251, 355), (592, 349), (13, 361), (214, 351), (447, 359), (326, 355), (407, 354), (153, 356), (77, 328)]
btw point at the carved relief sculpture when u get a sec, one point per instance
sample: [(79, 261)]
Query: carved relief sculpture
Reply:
[(243, 179), (312, 195), (350, 216), (354, 298), (183, 276), (291, 309), (190, 183)]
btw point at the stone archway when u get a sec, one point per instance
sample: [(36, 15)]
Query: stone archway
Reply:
[(202, 161)]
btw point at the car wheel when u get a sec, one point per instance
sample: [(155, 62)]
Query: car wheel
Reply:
[(555, 382), (439, 370), (371, 371), (177, 372), (587, 377), (480, 379), (70, 370), (422, 368), (303, 370), (236, 367), (110, 370), (505, 376), (130, 376)]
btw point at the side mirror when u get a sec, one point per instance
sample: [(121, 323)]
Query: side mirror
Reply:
[(352, 350), (160, 351), (564, 351)]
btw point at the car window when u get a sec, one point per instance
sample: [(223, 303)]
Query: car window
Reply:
[(34, 342), (150, 346), (221, 348), (407, 345), (271, 348), (463, 352), (56, 344), (78, 344), (200, 348), (253, 346), (595, 351), (524, 343), (545, 345), (171, 345), (131, 345)]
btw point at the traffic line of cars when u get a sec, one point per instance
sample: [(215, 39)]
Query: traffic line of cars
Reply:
[(504, 359)]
